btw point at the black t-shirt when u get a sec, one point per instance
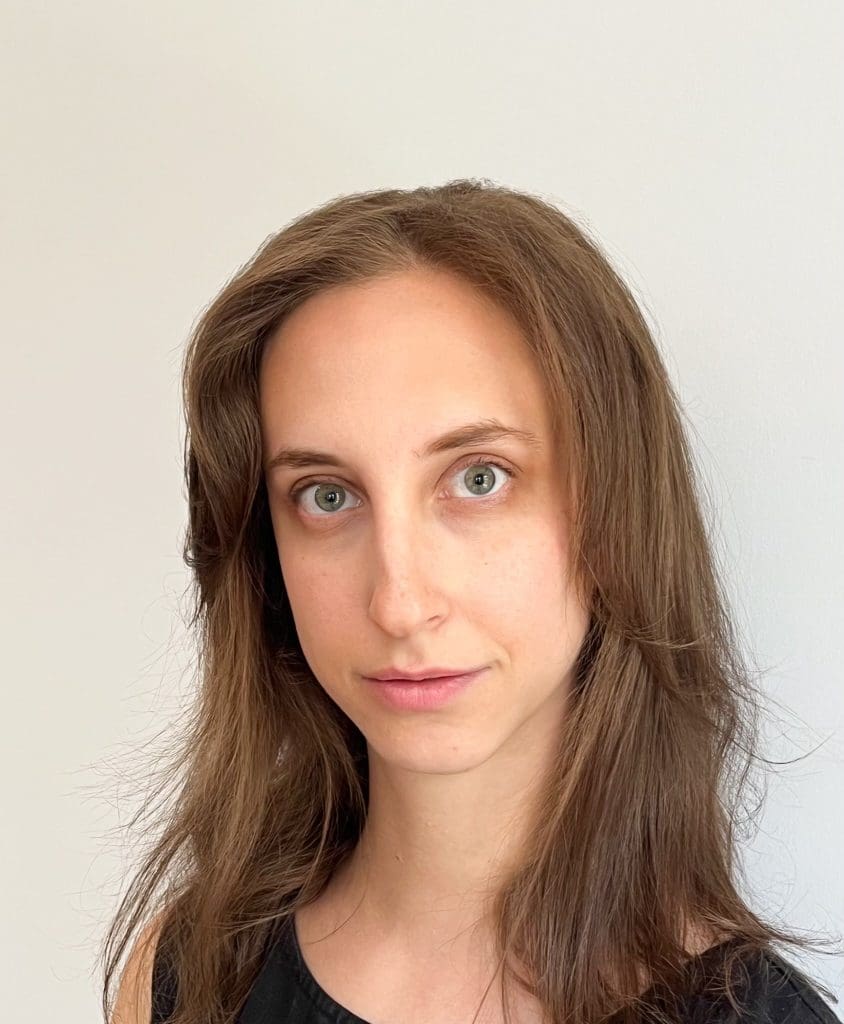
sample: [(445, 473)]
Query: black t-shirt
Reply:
[(285, 992)]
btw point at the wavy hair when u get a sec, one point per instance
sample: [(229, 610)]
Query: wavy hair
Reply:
[(639, 816)]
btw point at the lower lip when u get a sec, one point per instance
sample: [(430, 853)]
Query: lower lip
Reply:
[(422, 695)]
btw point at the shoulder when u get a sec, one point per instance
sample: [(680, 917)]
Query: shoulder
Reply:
[(134, 1001), (769, 989), (787, 994)]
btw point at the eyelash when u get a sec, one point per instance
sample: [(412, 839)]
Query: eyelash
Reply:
[(472, 460)]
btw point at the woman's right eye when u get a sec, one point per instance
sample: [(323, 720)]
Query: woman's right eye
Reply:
[(330, 493)]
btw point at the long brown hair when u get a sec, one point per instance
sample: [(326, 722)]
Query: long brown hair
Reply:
[(638, 818)]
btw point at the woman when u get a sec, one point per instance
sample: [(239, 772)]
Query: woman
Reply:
[(429, 434)]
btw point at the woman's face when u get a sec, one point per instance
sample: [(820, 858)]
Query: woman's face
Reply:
[(408, 558)]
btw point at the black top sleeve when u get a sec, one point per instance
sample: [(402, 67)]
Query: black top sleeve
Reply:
[(776, 992), (163, 988)]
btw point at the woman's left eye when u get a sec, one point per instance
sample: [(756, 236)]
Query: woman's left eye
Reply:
[(475, 475)]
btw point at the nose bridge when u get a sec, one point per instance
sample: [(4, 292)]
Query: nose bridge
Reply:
[(403, 582)]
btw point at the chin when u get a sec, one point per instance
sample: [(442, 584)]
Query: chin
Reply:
[(444, 752)]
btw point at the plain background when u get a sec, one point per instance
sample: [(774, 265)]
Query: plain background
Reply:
[(149, 148)]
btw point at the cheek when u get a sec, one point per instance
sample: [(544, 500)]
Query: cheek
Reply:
[(325, 610), (530, 570), (538, 612)]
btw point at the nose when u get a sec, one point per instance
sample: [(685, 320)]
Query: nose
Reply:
[(406, 594)]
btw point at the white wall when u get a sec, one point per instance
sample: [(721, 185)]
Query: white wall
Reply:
[(150, 147)]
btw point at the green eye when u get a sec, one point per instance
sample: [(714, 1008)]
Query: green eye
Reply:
[(480, 477)]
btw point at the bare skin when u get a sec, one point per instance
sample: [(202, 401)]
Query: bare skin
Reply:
[(368, 973), (383, 980)]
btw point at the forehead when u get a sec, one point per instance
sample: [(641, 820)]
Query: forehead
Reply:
[(399, 356)]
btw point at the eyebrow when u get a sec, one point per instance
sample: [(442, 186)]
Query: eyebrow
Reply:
[(481, 432)]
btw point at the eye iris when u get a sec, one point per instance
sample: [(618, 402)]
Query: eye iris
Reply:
[(474, 478), (328, 492)]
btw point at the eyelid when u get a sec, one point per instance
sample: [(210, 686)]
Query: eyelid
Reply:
[(469, 460)]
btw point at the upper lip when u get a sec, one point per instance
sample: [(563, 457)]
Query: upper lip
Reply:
[(433, 672)]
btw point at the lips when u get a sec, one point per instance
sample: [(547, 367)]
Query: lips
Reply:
[(423, 694), (424, 679), (419, 679), (428, 674)]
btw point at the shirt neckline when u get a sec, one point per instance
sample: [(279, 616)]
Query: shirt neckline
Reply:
[(340, 1014)]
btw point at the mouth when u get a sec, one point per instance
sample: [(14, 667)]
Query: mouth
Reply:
[(430, 672), (418, 679), (427, 693)]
